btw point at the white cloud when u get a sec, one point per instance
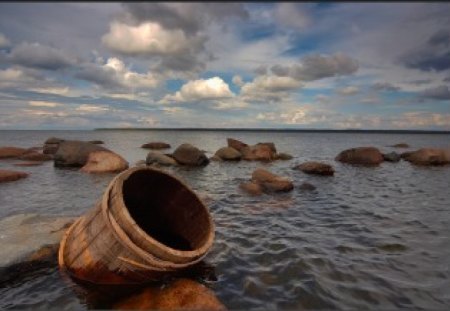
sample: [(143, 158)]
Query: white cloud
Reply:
[(91, 108), (4, 41), (51, 90), (270, 84), (348, 91), (209, 89), (231, 104), (38, 103), (237, 80), (145, 39)]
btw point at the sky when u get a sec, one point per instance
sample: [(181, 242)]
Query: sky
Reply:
[(225, 65)]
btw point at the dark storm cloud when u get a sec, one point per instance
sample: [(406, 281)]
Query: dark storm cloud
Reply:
[(434, 55), (385, 86), (39, 56), (314, 67), (441, 92), (188, 17)]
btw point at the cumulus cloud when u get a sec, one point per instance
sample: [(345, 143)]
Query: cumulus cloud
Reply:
[(4, 41), (39, 103), (198, 90), (39, 56), (293, 15), (385, 86), (270, 84), (237, 80), (433, 55), (348, 91), (315, 67), (441, 92), (114, 75)]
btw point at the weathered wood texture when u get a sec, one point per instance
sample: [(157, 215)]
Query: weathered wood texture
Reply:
[(147, 224)]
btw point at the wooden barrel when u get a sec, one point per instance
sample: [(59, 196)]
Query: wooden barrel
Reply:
[(146, 225)]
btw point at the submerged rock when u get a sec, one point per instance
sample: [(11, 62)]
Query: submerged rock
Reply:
[(307, 186), (428, 156), (7, 175), (74, 153), (188, 154), (182, 294), (228, 154), (361, 155), (271, 182), (283, 156), (155, 157), (11, 152), (35, 156), (316, 168), (156, 145), (104, 162), (391, 157)]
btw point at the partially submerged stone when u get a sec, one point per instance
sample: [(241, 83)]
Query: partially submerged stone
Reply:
[(182, 294), (391, 157), (188, 154), (251, 188), (8, 175), (155, 157), (316, 168), (271, 182), (283, 156), (156, 145), (400, 145), (104, 162), (11, 152), (35, 156), (236, 144), (228, 154), (428, 156), (361, 155), (307, 186), (74, 153)]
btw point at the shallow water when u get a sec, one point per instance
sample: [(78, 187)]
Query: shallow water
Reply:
[(367, 238)]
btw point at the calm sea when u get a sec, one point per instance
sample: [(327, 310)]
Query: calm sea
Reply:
[(367, 238)]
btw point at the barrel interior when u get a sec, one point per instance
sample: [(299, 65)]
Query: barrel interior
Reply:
[(166, 210)]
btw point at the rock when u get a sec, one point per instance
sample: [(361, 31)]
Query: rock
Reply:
[(7, 175), (258, 152), (159, 158), (29, 163), (271, 182), (11, 152), (50, 148), (156, 145), (270, 145), (428, 156), (53, 140), (228, 154), (236, 144), (35, 156), (24, 235), (316, 168), (96, 142), (188, 154), (251, 188), (104, 162), (73, 153), (391, 157), (182, 294), (283, 156), (215, 158), (307, 186), (361, 155), (400, 145)]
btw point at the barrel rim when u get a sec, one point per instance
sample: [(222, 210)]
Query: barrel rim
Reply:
[(201, 251)]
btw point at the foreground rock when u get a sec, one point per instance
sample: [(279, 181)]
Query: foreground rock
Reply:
[(400, 145), (11, 152), (361, 155), (155, 157), (428, 156), (188, 154), (7, 175), (74, 153), (104, 162), (265, 181), (228, 154), (182, 294), (391, 157), (35, 156), (316, 168), (27, 238), (156, 145)]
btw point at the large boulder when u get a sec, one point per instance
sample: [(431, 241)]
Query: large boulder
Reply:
[(11, 152), (156, 145), (104, 162), (51, 145), (361, 155), (7, 175), (236, 144), (391, 157), (155, 157), (182, 294), (271, 182), (188, 154), (228, 154), (74, 153), (428, 156), (316, 168), (35, 156)]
